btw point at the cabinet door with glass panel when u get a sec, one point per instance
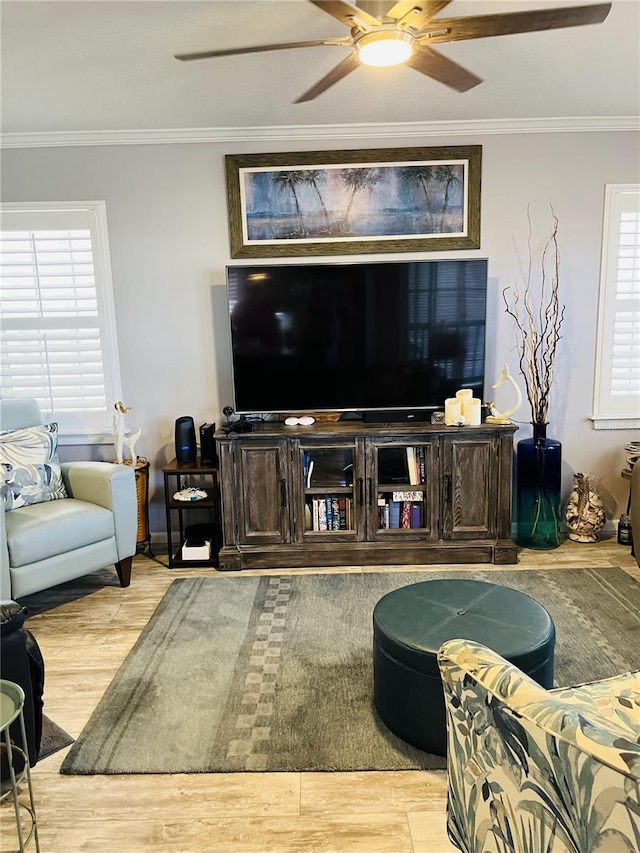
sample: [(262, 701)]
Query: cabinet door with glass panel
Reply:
[(330, 483), (400, 493)]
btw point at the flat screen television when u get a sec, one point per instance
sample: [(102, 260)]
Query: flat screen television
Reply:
[(356, 337)]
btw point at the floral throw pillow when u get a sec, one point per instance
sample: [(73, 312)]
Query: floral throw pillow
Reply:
[(29, 466)]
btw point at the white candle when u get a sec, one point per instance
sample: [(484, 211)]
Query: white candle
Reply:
[(471, 410), (452, 410), (464, 394)]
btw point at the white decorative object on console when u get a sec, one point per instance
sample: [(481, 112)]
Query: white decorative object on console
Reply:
[(497, 417), (305, 420), (462, 409), (471, 410), (452, 411)]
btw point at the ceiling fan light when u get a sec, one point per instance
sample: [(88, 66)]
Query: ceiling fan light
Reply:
[(385, 49)]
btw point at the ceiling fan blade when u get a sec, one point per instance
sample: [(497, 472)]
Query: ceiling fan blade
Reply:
[(349, 64), (428, 61), (376, 8), (234, 51), (423, 11), (509, 23), (347, 14)]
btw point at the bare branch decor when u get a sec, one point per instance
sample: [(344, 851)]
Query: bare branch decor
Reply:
[(538, 315)]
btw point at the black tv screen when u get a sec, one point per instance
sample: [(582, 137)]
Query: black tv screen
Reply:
[(356, 336)]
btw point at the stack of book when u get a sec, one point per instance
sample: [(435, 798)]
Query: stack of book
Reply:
[(329, 513), (400, 510)]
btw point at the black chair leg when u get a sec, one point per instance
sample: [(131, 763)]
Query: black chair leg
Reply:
[(123, 568)]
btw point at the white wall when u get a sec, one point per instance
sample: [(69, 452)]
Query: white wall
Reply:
[(166, 209)]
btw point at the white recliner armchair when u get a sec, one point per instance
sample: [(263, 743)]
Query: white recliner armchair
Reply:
[(45, 544)]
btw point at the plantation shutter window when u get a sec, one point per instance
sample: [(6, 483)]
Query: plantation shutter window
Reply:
[(617, 378), (58, 335)]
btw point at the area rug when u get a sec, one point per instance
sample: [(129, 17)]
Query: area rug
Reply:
[(274, 673), (53, 740)]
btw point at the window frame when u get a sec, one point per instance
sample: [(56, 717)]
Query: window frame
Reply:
[(603, 416), (96, 212)]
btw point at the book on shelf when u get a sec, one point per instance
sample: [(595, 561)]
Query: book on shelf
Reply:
[(322, 514), (342, 514), (383, 511), (329, 513), (406, 495), (413, 465), (394, 514), (422, 464), (335, 513)]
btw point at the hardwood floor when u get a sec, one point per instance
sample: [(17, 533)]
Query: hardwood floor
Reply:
[(85, 641)]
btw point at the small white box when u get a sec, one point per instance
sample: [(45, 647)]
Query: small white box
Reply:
[(196, 552)]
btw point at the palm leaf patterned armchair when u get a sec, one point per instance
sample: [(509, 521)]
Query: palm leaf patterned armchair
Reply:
[(539, 771)]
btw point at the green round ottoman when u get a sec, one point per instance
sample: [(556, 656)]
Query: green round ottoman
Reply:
[(411, 623)]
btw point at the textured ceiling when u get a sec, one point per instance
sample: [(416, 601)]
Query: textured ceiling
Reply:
[(108, 66)]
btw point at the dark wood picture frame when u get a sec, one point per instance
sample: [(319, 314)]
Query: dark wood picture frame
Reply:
[(353, 202)]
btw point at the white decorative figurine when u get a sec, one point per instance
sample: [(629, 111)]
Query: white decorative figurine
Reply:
[(497, 417), (131, 442), (118, 428)]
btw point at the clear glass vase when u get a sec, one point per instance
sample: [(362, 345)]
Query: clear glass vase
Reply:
[(538, 481)]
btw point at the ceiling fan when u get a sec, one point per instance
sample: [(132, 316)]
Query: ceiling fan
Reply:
[(405, 31)]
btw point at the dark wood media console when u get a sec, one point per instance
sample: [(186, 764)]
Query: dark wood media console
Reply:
[(345, 493)]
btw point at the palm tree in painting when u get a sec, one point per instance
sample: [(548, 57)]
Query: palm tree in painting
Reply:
[(312, 178), (358, 180), (446, 175), (421, 177), (290, 181)]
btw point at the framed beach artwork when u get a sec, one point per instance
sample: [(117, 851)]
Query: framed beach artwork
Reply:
[(353, 202)]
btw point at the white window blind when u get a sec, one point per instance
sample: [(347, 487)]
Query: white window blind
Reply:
[(617, 380), (58, 335)]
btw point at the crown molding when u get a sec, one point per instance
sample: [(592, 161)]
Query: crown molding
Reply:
[(318, 132)]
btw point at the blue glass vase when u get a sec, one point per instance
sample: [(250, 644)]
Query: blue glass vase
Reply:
[(538, 481)]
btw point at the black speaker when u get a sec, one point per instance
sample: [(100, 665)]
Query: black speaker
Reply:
[(186, 448), (208, 455)]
